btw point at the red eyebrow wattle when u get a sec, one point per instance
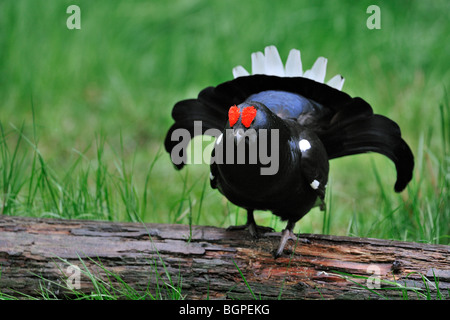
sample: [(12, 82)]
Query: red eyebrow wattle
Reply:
[(233, 115), (248, 115)]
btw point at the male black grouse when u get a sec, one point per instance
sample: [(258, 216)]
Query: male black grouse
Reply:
[(295, 118)]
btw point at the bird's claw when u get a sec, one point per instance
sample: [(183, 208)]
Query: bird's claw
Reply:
[(285, 236), (254, 230)]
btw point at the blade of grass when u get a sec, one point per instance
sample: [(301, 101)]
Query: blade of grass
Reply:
[(245, 280)]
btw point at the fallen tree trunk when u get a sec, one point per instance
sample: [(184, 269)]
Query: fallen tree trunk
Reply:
[(61, 258)]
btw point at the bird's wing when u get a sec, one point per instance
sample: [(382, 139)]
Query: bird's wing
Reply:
[(355, 129), (313, 160), (197, 116)]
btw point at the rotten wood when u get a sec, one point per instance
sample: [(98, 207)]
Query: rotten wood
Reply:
[(201, 262)]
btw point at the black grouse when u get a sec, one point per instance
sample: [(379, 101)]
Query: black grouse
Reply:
[(275, 132)]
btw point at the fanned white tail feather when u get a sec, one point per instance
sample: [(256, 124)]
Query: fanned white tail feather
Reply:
[(258, 65), (294, 64), (270, 63)]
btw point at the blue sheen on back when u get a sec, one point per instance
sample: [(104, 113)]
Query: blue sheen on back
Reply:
[(285, 104)]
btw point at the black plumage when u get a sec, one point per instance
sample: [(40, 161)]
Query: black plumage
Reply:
[(314, 123)]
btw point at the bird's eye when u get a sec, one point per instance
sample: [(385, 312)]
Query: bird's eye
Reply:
[(233, 115), (248, 115)]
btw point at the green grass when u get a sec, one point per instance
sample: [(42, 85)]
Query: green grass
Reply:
[(105, 284), (83, 113), (422, 289)]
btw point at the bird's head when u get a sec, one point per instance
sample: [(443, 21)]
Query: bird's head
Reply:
[(251, 142), (250, 116)]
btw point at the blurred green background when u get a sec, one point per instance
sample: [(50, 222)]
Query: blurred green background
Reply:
[(84, 112)]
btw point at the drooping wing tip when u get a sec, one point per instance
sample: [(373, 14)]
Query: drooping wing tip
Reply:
[(404, 166)]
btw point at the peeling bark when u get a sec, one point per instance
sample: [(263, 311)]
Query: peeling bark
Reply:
[(205, 262)]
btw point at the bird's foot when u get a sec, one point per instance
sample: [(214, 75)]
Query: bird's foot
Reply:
[(255, 230), (286, 235)]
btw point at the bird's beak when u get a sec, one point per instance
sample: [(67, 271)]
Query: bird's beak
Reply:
[(238, 135), (248, 136)]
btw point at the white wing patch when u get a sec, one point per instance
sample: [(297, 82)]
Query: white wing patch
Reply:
[(304, 145), (315, 184)]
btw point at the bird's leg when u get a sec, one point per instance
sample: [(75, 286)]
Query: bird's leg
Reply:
[(287, 234), (251, 225)]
